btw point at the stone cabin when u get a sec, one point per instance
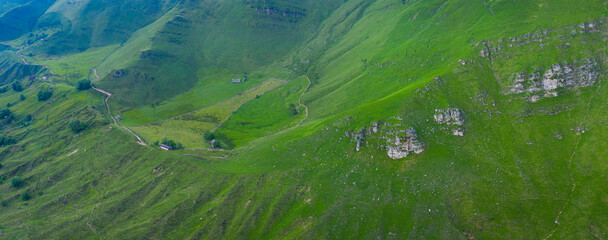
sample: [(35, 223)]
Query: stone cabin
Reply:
[(166, 147), (238, 80)]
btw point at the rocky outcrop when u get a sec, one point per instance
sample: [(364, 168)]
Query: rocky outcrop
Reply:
[(402, 143), (360, 137), (458, 132), (582, 73), (449, 116), (495, 49), (392, 136)]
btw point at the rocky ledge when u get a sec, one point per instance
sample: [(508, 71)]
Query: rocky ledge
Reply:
[(582, 73), (400, 141), (451, 117), (403, 142)]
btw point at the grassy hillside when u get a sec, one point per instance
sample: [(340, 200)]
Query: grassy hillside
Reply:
[(528, 80)]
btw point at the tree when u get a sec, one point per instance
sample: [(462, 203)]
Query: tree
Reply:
[(77, 126), (84, 84), (293, 109), (208, 136), (17, 182), (26, 196), (171, 143), (22, 97), (17, 86), (216, 144), (5, 141), (5, 113), (44, 94)]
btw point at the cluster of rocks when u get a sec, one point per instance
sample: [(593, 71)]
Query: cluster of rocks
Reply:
[(582, 73), (273, 11), (451, 116), (494, 49), (400, 141), (118, 73), (490, 51), (267, 26)]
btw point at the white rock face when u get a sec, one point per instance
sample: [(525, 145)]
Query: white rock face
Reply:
[(449, 116), (401, 140), (582, 73), (359, 137), (402, 143), (458, 132)]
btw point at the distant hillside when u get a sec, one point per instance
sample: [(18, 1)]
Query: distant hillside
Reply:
[(198, 38), (19, 17), (304, 119)]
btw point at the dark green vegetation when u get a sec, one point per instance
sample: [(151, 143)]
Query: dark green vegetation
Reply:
[(171, 143), (84, 84), (44, 94), (531, 164), (77, 126)]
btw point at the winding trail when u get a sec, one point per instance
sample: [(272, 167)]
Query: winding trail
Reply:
[(141, 142), (573, 188), (300, 101), (109, 94), (18, 53)]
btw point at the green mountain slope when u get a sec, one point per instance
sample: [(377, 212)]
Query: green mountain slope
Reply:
[(383, 119)]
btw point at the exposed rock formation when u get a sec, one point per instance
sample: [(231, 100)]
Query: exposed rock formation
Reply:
[(403, 142), (359, 137), (582, 73), (399, 141), (458, 132), (449, 116)]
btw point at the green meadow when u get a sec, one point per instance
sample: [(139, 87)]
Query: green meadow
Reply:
[(189, 128), (530, 165)]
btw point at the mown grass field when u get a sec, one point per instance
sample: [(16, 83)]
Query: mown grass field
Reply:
[(522, 170), (270, 113), (208, 91), (189, 128), (77, 66)]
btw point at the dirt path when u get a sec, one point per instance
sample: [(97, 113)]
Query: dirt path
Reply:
[(141, 142), (109, 94), (95, 72), (19, 55), (300, 101), (573, 188)]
